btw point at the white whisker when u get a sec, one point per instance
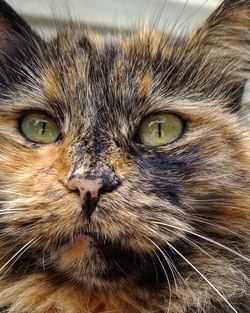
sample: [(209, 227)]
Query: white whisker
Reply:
[(165, 272), (166, 259), (10, 210), (207, 239), (23, 249), (220, 226), (204, 277), (18, 257)]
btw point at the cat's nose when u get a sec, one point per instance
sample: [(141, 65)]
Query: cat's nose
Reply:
[(90, 189), (89, 193)]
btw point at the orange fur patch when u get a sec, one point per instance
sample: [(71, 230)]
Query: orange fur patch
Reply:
[(120, 163), (50, 84), (145, 83)]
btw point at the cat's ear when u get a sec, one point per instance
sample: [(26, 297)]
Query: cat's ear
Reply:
[(14, 31), (225, 39), (17, 41)]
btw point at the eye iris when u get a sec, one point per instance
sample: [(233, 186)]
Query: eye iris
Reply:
[(39, 128), (160, 129)]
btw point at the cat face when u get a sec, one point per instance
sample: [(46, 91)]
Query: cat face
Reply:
[(98, 204)]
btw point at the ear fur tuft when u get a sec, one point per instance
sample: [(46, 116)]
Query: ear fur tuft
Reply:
[(225, 38)]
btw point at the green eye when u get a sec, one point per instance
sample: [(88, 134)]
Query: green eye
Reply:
[(160, 129), (40, 128)]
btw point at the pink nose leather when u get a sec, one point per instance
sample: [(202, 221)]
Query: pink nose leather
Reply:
[(86, 185)]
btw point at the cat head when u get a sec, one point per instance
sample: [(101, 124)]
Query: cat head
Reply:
[(122, 155)]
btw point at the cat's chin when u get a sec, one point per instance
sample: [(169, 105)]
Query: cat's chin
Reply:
[(94, 261)]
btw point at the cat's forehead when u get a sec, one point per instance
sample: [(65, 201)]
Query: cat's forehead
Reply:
[(98, 75), (106, 64), (128, 72), (111, 59)]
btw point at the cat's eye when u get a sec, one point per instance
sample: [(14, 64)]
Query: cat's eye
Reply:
[(160, 129), (38, 127)]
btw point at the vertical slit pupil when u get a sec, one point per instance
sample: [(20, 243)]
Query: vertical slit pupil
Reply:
[(44, 123), (159, 128)]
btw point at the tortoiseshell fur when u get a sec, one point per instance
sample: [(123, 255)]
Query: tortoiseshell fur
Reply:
[(174, 234)]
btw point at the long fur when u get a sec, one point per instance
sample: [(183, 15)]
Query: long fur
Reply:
[(175, 233)]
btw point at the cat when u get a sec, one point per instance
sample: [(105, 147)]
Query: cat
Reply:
[(125, 169)]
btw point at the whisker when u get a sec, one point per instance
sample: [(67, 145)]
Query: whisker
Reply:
[(207, 239), (23, 249), (10, 209), (9, 212), (165, 272), (171, 264), (155, 268), (10, 192), (192, 243), (15, 260), (221, 227), (166, 259), (122, 270), (204, 277)]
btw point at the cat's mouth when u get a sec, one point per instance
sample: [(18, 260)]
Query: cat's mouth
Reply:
[(84, 242)]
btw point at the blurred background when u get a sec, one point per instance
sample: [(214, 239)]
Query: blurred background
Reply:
[(104, 15), (177, 17)]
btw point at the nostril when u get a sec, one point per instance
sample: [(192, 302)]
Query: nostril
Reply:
[(73, 185), (109, 186), (77, 191)]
